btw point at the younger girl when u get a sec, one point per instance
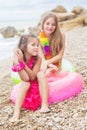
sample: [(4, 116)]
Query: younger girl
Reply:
[(27, 64)]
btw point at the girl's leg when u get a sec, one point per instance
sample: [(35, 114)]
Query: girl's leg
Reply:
[(43, 87), (24, 87)]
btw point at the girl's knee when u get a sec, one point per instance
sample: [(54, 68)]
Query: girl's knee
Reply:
[(25, 86)]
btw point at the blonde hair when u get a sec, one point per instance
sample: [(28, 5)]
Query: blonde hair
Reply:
[(56, 36)]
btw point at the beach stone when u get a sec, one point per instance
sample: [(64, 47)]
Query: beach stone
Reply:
[(73, 23), (8, 31), (59, 9), (34, 30), (85, 20), (65, 16), (78, 10)]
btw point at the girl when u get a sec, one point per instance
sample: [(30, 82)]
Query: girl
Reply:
[(51, 51), (52, 41), (27, 64)]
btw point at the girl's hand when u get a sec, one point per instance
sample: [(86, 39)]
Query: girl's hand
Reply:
[(18, 53), (53, 68)]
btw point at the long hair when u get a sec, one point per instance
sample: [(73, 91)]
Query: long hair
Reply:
[(55, 38), (23, 42)]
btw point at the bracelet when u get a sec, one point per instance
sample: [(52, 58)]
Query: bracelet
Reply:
[(18, 67)]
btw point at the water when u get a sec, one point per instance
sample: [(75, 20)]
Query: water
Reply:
[(7, 46), (19, 24), (25, 14)]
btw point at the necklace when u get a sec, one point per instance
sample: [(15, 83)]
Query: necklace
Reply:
[(45, 45), (47, 49)]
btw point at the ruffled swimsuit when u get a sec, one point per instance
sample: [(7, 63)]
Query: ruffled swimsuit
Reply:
[(32, 100)]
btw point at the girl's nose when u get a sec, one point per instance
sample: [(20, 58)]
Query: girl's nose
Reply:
[(50, 26)]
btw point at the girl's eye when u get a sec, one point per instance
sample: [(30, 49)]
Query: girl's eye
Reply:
[(37, 45), (47, 23), (34, 44), (53, 24)]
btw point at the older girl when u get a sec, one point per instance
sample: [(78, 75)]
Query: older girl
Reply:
[(52, 50)]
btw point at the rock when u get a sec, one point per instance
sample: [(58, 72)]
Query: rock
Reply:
[(65, 16), (34, 30), (20, 32), (78, 10), (59, 9), (77, 22), (8, 32), (85, 20), (60, 16)]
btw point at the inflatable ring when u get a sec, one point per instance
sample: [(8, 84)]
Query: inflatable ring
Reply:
[(64, 85), (66, 65), (61, 86), (15, 77)]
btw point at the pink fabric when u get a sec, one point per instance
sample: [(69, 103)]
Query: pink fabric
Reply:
[(64, 86), (18, 67), (32, 100)]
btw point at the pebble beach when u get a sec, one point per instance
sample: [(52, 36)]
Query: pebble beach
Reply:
[(70, 114)]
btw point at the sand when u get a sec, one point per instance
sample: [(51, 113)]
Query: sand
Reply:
[(70, 114)]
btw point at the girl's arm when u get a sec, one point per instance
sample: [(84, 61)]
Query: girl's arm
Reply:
[(23, 75), (17, 57), (60, 55), (40, 53), (33, 73), (43, 64), (27, 73)]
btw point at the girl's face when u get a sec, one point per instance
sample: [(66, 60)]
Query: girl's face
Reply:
[(33, 47), (49, 26)]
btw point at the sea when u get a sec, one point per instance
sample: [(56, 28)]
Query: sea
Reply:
[(29, 16)]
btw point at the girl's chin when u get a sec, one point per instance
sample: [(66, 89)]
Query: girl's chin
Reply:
[(35, 54), (49, 33)]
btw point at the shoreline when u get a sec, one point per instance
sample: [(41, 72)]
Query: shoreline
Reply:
[(19, 24)]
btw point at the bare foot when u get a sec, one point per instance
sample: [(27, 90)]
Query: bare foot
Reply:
[(44, 109)]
